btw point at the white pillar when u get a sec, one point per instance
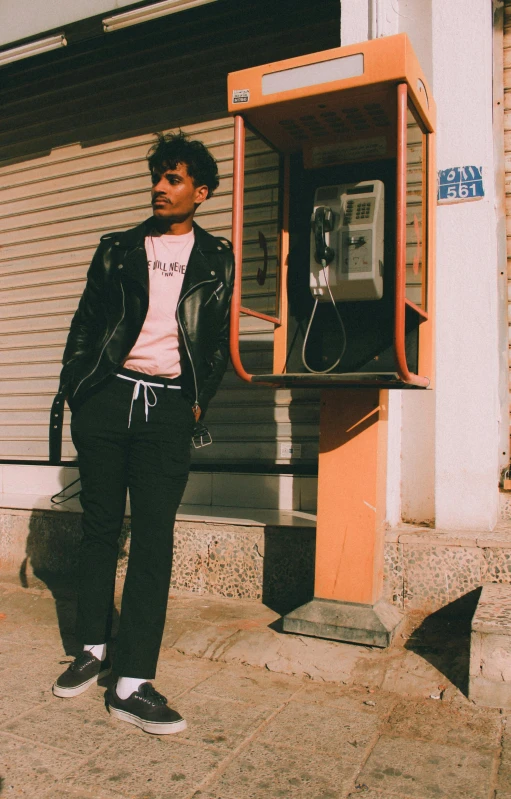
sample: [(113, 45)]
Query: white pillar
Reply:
[(368, 19), (355, 21), (467, 375)]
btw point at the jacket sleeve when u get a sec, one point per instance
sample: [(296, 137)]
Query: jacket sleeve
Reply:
[(220, 357), (86, 323)]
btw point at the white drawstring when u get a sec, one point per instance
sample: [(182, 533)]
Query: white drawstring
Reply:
[(136, 392), (147, 404)]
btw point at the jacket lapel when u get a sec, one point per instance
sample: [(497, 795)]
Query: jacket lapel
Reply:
[(135, 267), (197, 271), (200, 265), (132, 256)]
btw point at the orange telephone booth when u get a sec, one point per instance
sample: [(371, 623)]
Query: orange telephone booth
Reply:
[(354, 129)]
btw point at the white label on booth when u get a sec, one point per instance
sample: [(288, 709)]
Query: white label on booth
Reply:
[(241, 95)]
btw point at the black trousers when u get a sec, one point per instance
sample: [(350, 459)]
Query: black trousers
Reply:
[(151, 459)]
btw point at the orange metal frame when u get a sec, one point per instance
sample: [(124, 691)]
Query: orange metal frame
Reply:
[(401, 301), (386, 61), (280, 347)]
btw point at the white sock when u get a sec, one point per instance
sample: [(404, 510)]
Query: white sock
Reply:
[(98, 650), (127, 685)]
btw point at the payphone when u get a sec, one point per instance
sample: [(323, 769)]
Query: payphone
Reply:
[(347, 242), (354, 129)]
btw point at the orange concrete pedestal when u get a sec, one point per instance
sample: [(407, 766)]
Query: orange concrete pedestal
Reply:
[(347, 604)]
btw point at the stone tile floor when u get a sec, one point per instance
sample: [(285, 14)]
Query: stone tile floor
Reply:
[(270, 715)]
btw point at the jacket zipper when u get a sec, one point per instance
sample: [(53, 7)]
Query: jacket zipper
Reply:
[(214, 294), (105, 345), (202, 283)]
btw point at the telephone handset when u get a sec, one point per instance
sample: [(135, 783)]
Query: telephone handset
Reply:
[(323, 221)]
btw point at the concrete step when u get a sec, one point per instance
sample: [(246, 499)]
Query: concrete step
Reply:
[(427, 568), (505, 505), (490, 649)]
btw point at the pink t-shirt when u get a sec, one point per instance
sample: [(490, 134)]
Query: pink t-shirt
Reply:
[(156, 350)]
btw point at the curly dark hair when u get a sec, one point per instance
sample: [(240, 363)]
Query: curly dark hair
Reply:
[(171, 149)]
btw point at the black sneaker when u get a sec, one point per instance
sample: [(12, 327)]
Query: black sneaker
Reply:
[(147, 709), (83, 672)]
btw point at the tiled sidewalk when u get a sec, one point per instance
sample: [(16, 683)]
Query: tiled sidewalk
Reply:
[(253, 733)]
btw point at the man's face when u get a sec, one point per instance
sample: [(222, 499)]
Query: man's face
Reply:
[(174, 195)]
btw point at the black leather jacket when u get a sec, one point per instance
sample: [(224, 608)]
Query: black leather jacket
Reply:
[(114, 305)]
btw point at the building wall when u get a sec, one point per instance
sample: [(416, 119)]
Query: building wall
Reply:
[(446, 445)]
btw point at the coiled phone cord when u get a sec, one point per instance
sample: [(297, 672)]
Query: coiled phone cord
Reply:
[(341, 323)]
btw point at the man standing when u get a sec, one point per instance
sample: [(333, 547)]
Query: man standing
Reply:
[(146, 352)]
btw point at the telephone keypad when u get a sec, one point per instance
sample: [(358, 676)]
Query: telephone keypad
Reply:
[(363, 210), (357, 211)]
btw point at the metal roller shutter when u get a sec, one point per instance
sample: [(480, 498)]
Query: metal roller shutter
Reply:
[(55, 205)]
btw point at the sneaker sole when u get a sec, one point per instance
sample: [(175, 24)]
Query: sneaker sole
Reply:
[(153, 727), (58, 690)]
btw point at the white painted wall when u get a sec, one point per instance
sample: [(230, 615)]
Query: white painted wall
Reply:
[(394, 459), (451, 447), (418, 457), (368, 19), (20, 20), (355, 21), (467, 406)]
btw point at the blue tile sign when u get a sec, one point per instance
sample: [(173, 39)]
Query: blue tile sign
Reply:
[(460, 183)]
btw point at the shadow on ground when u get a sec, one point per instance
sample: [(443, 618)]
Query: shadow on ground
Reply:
[(51, 560), (443, 639)]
